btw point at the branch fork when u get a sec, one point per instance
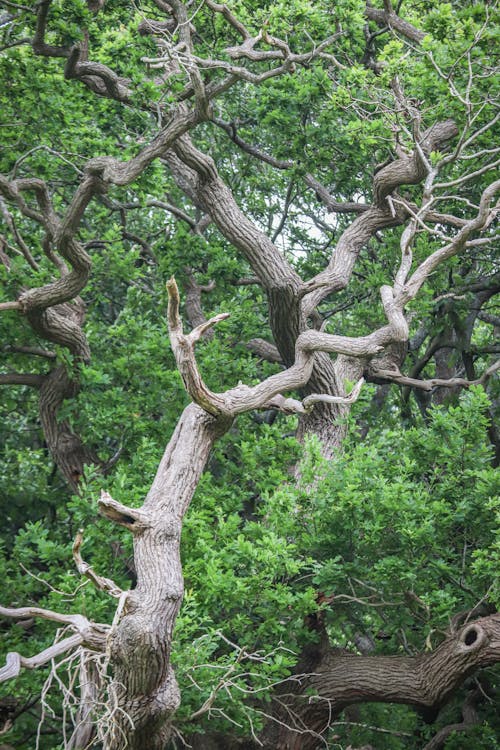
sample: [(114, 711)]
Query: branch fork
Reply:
[(104, 584), (87, 633), (267, 394)]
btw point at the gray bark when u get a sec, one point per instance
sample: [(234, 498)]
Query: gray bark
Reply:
[(144, 692)]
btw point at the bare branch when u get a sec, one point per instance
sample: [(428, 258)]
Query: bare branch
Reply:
[(314, 398), (265, 350), (452, 248), (244, 398), (78, 622), (20, 378), (104, 584), (391, 20), (409, 169), (15, 662), (230, 18), (394, 376), (183, 348), (15, 305), (35, 351)]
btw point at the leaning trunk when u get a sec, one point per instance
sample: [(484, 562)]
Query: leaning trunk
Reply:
[(144, 692)]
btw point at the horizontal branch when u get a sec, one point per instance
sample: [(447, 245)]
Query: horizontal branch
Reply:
[(395, 376), (315, 398), (90, 634), (21, 378), (15, 662), (36, 351), (78, 622), (14, 305), (426, 681)]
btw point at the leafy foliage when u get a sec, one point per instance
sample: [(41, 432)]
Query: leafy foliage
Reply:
[(402, 527)]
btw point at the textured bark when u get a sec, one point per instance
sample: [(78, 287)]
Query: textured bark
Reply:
[(393, 21), (192, 304), (144, 693), (340, 679), (62, 324), (265, 350), (291, 301), (65, 446)]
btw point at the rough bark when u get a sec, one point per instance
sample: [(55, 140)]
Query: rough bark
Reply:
[(291, 301), (144, 693), (340, 679)]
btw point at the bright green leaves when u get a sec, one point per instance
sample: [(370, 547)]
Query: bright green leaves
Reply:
[(442, 23), (403, 520)]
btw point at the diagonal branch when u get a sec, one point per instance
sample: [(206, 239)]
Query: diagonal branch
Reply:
[(481, 220), (104, 584), (407, 170), (93, 635), (214, 197)]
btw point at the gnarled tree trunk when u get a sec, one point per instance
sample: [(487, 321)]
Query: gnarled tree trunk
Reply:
[(144, 692)]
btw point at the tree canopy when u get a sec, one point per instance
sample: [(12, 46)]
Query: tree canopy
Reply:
[(258, 238)]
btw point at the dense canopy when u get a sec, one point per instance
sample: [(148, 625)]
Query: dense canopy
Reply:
[(259, 239)]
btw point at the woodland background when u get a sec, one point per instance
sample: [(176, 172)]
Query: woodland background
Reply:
[(389, 542)]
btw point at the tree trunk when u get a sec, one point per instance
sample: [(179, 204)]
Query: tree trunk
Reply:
[(62, 324), (144, 692)]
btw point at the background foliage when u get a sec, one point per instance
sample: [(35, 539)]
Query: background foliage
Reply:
[(403, 528)]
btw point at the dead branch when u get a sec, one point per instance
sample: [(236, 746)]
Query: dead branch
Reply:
[(101, 583)]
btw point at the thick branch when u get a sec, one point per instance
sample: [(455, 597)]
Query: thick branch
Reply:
[(424, 681), (133, 519), (19, 378), (407, 170), (215, 198), (244, 398), (77, 622), (390, 19), (265, 350)]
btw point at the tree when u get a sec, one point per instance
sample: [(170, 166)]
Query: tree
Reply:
[(216, 142)]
